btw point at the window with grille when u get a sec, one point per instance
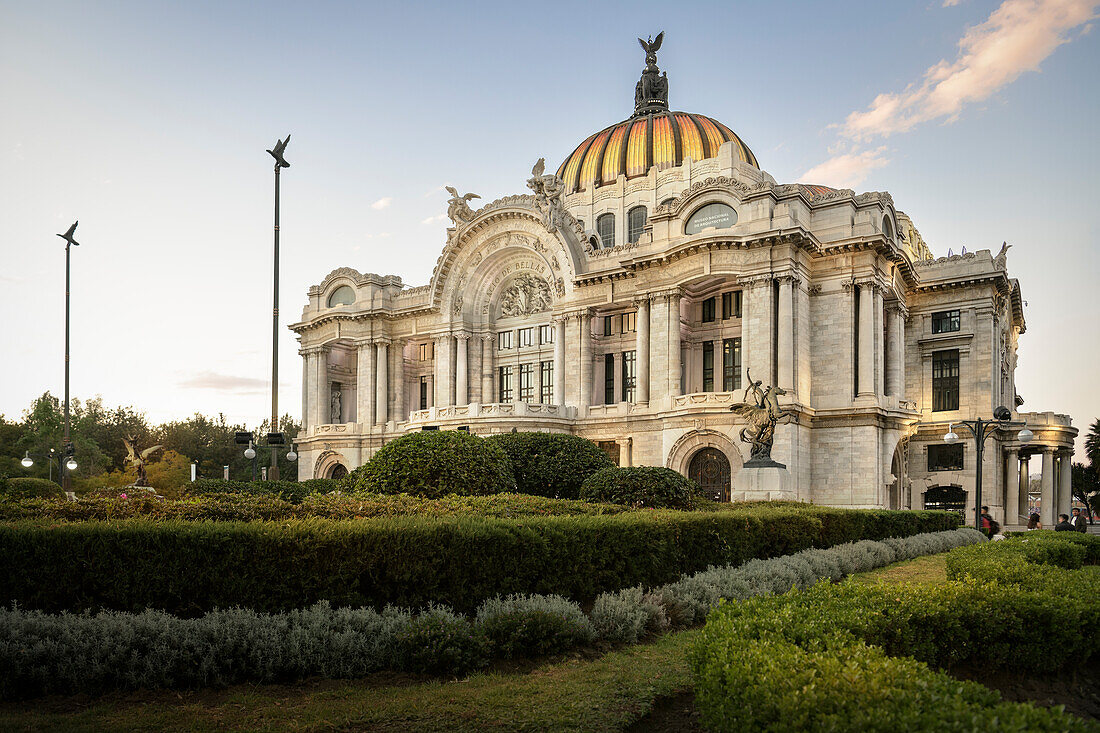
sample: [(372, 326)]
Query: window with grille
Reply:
[(635, 223), (629, 375), (424, 393), (505, 384), (605, 228), (547, 382), (731, 364), (546, 334), (424, 352), (526, 382), (708, 310), (945, 322), (630, 322), (609, 379), (945, 380), (504, 340), (526, 336), (607, 325), (708, 366)]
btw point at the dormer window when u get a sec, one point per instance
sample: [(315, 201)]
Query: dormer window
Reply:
[(342, 295)]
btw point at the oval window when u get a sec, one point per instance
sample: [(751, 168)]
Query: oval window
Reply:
[(342, 295), (715, 215)]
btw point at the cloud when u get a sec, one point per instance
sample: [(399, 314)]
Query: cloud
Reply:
[(382, 203), (847, 170), (951, 3), (434, 219), (226, 383), (379, 235), (1017, 37)]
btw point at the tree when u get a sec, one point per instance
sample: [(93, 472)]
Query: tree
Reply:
[(1085, 485), (43, 429), (1092, 444)]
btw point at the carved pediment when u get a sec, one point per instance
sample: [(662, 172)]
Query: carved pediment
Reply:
[(526, 295)]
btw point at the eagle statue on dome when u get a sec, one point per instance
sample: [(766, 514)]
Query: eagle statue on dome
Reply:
[(651, 47), (651, 92)]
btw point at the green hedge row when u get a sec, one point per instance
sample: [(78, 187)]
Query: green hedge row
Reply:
[(292, 491), (90, 653), (189, 568), (643, 486), (26, 487), (829, 658), (243, 507)]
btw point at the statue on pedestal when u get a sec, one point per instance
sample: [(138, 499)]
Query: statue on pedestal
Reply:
[(138, 460), (763, 413)]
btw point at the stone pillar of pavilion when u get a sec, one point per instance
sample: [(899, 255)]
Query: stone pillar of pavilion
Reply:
[(1065, 483), (584, 322), (364, 383), (674, 356), (1012, 489), (400, 412), (880, 351), (488, 343), (895, 339), (321, 407), (1048, 511), (866, 371)]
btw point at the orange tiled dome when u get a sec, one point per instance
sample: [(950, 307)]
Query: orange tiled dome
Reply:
[(632, 146)]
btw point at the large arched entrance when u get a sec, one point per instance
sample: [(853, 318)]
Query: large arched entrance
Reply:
[(711, 470), (338, 471), (950, 498)]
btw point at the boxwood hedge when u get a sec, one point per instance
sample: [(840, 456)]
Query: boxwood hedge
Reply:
[(648, 486), (837, 657), (551, 464), (188, 568)]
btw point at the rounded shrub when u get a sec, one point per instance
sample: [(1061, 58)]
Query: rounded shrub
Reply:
[(25, 487), (551, 464), (532, 626), (433, 464), (643, 486)]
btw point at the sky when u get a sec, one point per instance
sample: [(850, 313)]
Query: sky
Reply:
[(148, 122)]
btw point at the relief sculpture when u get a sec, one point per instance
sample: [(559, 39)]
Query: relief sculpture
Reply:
[(527, 294)]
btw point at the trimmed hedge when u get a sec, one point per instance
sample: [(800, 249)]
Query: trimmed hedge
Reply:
[(250, 507), (828, 658), (25, 487), (41, 654), (551, 464), (644, 486), (192, 567), (434, 463)]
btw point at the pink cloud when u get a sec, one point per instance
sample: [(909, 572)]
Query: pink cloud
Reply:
[(846, 170), (1016, 38)]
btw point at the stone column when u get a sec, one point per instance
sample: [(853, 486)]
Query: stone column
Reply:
[(626, 454), (1025, 487), (462, 364), (785, 334), (674, 355), (642, 356), (305, 392), (488, 343), (381, 395), (745, 366), (617, 377), (899, 365), (400, 411), (1048, 511), (441, 371), (584, 321), (893, 353), (1012, 488), (321, 407), (559, 360), (880, 367), (866, 340), (1065, 483), (364, 384)]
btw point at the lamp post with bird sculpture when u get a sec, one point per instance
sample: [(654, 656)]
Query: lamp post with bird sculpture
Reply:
[(69, 462), (274, 437)]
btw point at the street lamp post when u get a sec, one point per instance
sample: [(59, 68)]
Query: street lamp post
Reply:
[(981, 429), (67, 446), (280, 163), (69, 462)]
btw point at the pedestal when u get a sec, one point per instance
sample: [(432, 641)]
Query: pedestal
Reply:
[(763, 481)]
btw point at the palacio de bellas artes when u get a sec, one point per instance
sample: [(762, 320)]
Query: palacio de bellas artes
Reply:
[(659, 277)]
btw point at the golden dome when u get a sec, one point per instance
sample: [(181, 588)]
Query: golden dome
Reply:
[(633, 146)]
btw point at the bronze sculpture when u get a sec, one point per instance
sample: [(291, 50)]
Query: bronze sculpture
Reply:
[(138, 460), (763, 413)]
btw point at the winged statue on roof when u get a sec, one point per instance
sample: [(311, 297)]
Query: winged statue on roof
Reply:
[(458, 207)]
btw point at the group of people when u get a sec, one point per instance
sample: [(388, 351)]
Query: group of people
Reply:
[(1066, 522)]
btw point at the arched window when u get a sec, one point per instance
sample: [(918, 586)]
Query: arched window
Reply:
[(635, 223), (887, 227), (605, 227), (342, 295)]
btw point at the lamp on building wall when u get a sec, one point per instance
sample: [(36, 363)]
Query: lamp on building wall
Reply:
[(981, 429)]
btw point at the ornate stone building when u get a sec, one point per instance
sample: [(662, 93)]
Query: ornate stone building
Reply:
[(629, 297)]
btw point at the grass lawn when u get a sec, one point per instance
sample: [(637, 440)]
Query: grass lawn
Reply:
[(605, 694)]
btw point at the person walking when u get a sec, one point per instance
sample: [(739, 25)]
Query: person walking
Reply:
[(1063, 524), (990, 526), (1078, 521)]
